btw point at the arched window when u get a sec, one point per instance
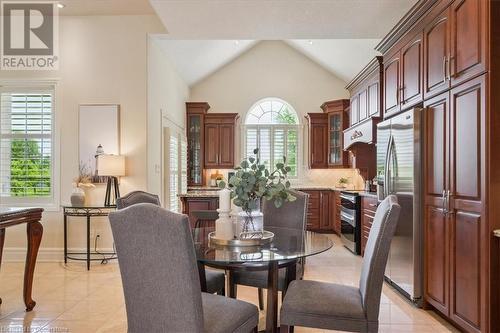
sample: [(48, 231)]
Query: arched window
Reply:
[(272, 125)]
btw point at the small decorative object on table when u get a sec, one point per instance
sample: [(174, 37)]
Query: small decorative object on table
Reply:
[(84, 180), (251, 183)]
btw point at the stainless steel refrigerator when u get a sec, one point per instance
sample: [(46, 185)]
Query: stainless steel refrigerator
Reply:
[(399, 172)]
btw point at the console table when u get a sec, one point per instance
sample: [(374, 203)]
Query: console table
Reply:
[(88, 212), (31, 216)]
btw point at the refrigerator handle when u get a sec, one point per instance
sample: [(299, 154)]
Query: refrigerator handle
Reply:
[(387, 178)]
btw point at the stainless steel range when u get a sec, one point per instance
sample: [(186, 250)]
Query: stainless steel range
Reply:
[(350, 217)]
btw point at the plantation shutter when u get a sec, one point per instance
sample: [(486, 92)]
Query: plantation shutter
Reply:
[(251, 141), (274, 142), (183, 154), (26, 144), (174, 173)]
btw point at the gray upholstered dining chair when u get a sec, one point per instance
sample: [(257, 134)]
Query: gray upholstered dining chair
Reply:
[(340, 307), (136, 197), (216, 280), (160, 277), (291, 215)]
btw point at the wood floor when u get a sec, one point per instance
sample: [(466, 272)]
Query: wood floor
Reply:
[(70, 299)]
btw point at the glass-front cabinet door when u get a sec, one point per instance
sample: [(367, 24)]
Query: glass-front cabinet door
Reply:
[(335, 153), (195, 153)]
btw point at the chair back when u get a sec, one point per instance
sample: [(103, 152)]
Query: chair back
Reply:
[(291, 214), (136, 197), (376, 253), (158, 268)]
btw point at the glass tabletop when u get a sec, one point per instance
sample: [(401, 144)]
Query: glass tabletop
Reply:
[(287, 244)]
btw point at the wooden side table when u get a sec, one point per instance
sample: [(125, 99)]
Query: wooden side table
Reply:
[(88, 212), (31, 216)]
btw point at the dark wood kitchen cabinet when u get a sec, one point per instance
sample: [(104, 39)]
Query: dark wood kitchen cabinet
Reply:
[(454, 44), (392, 84), (468, 49), (320, 210), (337, 222), (436, 53), (338, 121), (411, 72), (219, 140), (403, 77), (318, 140), (454, 223), (461, 177), (326, 142), (359, 139), (190, 204), (195, 113)]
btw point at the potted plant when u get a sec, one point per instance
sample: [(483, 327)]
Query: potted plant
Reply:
[(343, 182), (84, 180), (253, 182)]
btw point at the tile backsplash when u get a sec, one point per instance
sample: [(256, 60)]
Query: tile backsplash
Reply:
[(323, 177)]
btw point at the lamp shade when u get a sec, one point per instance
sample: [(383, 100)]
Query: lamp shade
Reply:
[(111, 165)]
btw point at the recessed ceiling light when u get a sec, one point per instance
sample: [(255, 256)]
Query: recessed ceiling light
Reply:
[(310, 42), (61, 6), (236, 42)]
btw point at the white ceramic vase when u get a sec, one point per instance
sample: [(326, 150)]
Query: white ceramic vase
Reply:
[(77, 197)]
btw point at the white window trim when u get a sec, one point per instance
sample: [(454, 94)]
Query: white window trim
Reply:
[(53, 203)]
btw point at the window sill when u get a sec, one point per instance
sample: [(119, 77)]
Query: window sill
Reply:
[(46, 207)]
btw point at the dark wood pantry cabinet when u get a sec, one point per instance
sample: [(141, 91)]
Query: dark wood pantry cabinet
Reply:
[(440, 56)]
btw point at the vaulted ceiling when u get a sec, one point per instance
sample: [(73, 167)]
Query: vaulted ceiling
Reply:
[(204, 35), (279, 19), (197, 59)]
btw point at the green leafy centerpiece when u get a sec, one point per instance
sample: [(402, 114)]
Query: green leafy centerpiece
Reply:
[(252, 183)]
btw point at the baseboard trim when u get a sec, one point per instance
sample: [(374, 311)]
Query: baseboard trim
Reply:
[(18, 254)]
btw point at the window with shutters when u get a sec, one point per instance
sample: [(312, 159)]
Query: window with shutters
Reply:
[(272, 125), (175, 167), (27, 146), (174, 174)]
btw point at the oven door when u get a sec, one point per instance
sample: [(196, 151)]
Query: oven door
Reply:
[(348, 230)]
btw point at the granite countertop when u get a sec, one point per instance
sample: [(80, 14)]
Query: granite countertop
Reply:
[(199, 194), (211, 192), (203, 188)]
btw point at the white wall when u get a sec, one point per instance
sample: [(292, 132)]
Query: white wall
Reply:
[(274, 69), (167, 94), (103, 59)]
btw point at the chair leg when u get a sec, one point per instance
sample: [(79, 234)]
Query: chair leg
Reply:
[(261, 298), (222, 292)]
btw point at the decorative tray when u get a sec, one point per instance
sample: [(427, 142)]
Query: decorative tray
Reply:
[(267, 237)]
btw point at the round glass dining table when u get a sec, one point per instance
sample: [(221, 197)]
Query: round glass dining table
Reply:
[(286, 248)]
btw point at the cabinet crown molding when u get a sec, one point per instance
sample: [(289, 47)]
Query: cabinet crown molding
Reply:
[(404, 25), (374, 65)]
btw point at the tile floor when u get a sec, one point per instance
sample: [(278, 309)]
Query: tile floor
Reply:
[(70, 299)]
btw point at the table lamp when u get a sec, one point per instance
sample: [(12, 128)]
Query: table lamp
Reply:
[(112, 166)]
